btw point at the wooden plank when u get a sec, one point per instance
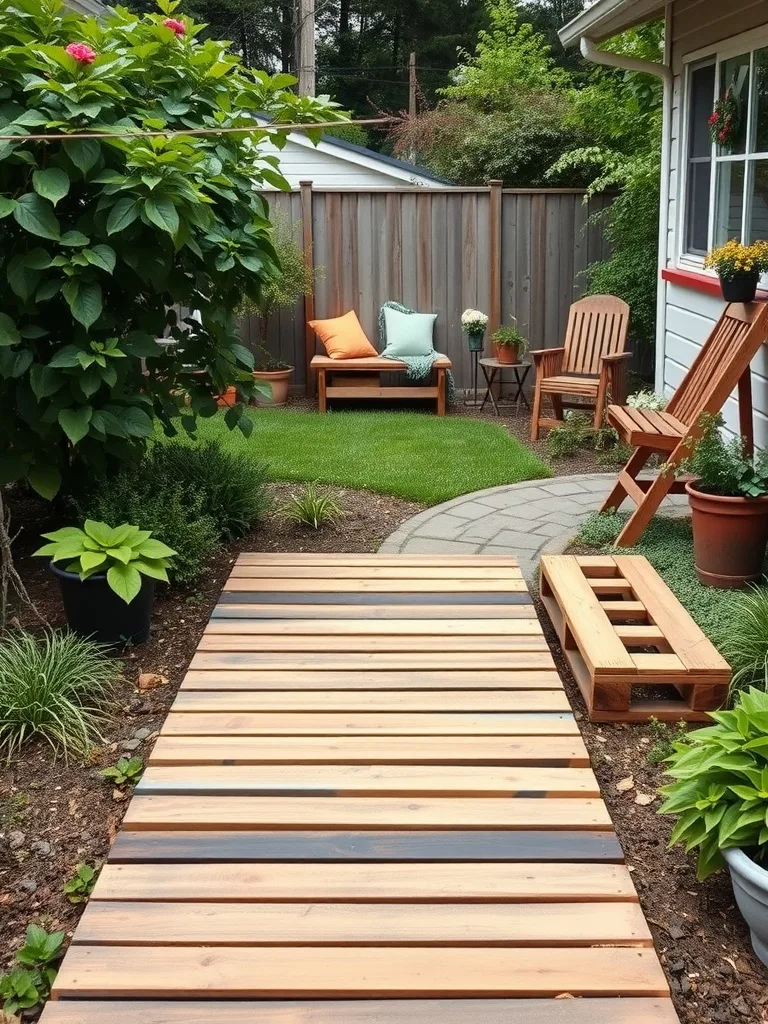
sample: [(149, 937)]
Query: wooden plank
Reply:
[(372, 700), (306, 971), (370, 363), (378, 812), (420, 645), (378, 586), (433, 612), (424, 628), (639, 636), (361, 662), (563, 748), (350, 1011), (606, 586), (428, 599), (351, 723), (386, 393), (243, 679), (625, 610), (363, 847), (358, 780), (376, 571), (357, 924), (685, 638), (311, 558), (376, 883)]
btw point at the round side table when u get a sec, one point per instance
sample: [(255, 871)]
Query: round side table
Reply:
[(492, 369)]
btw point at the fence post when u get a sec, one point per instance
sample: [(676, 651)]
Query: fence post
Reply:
[(494, 253), (309, 300)]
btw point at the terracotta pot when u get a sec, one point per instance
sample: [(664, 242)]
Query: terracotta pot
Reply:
[(229, 398), (729, 537), (740, 287), (278, 381), (506, 353)]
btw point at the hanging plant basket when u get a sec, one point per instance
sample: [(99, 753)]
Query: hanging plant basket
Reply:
[(724, 121)]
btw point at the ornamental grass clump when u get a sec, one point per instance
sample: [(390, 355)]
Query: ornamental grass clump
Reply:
[(744, 639), (57, 688)]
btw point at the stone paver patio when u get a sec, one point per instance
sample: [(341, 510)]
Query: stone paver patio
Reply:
[(519, 519)]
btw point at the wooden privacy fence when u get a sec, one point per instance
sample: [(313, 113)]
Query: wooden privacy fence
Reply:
[(509, 252)]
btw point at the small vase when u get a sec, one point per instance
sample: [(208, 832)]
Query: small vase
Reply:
[(740, 288), (475, 340)]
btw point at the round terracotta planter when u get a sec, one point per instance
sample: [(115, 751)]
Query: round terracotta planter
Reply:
[(729, 537), (278, 381), (228, 399), (506, 354)]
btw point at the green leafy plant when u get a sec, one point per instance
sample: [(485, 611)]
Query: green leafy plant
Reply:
[(105, 238), (509, 336), (124, 552), (80, 885), (576, 433), (311, 509), (57, 688), (720, 792), (723, 466), (664, 736), (601, 528), (744, 639), (127, 770), (646, 399), (28, 985)]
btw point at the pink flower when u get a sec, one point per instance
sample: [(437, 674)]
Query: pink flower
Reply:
[(175, 26), (83, 54)]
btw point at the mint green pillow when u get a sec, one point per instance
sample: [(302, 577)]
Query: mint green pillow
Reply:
[(408, 334)]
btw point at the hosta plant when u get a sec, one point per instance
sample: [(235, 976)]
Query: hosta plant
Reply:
[(124, 553), (105, 238), (29, 984), (80, 886), (127, 770), (720, 792)]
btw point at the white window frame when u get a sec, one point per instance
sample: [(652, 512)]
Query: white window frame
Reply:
[(746, 42)]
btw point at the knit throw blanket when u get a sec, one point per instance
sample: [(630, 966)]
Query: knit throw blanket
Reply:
[(420, 367)]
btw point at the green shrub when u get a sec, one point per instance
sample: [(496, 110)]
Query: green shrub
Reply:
[(745, 639), (57, 688), (723, 466), (576, 433)]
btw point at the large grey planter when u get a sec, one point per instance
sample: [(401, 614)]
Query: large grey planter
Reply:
[(750, 887)]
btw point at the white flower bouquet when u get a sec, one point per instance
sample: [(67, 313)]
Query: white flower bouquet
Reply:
[(647, 400), (473, 321)]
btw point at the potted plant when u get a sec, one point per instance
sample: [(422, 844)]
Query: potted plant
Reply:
[(296, 280), (720, 793), (108, 582), (474, 324), (274, 373), (510, 346), (739, 268), (729, 508)]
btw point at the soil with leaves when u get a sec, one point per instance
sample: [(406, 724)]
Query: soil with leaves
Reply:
[(57, 820), (699, 934)]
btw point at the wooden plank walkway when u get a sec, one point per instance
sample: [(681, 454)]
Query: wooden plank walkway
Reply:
[(370, 804)]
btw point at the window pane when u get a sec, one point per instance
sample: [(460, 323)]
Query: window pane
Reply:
[(761, 101), (730, 201), (734, 77), (702, 97), (699, 175), (702, 91), (758, 220)]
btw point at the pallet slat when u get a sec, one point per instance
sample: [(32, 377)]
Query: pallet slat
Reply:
[(276, 679), (362, 701)]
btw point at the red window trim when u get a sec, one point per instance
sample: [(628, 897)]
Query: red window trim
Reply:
[(698, 282)]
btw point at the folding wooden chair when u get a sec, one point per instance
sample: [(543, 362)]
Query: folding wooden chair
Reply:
[(589, 363), (722, 364)]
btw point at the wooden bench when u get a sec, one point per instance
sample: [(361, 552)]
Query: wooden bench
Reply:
[(361, 379), (620, 627)]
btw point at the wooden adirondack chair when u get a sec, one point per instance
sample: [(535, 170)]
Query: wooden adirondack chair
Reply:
[(721, 365), (590, 362)]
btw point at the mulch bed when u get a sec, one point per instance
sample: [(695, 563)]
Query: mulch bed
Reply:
[(700, 936), (54, 816)]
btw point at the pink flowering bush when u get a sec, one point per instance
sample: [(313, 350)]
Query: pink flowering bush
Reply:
[(175, 26), (103, 242)]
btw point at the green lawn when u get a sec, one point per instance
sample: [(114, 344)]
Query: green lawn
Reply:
[(417, 456)]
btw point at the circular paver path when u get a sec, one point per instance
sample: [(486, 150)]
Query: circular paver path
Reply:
[(516, 519)]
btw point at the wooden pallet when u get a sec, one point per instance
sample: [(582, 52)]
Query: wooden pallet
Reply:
[(621, 627), (370, 804)]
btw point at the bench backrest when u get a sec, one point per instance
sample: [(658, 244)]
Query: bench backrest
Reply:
[(722, 359), (597, 327)]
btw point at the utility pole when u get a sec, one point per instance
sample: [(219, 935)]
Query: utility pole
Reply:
[(306, 39), (412, 86)]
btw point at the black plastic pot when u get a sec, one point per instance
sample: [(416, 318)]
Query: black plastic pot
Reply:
[(94, 610), (740, 287)]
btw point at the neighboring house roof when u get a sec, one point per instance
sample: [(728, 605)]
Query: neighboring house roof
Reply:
[(93, 7), (406, 169), (606, 18)]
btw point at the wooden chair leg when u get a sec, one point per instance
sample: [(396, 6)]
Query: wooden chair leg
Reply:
[(441, 392), (536, 412), (557, 405), (602, 394), (656, 493), (615, 499)]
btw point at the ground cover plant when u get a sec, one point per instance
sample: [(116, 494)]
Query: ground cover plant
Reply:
[(56, 688), (29, 981), (416, 456)]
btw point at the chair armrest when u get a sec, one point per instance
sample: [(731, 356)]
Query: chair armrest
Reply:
[(616, 357), (613, 374), (548, 361)]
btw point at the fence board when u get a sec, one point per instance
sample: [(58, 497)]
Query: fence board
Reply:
[(430, 249)]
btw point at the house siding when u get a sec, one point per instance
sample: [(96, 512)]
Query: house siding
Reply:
[(690, 315)]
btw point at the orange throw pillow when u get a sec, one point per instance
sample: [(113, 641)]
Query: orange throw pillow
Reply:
[(343, 337)]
